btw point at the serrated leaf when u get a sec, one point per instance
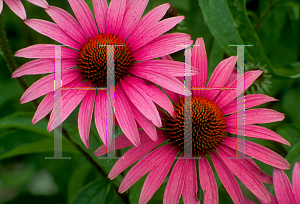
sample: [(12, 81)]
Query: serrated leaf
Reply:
[(100, 191), (229, 24)]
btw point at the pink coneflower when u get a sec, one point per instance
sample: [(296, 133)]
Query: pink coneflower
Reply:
[(17, 7), (284, 192), (139, 42), (214, 115)]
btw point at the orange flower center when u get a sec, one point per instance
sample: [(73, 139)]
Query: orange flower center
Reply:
[(208, 125), (93, 58)]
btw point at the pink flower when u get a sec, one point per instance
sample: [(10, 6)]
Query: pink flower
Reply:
[(285, 193), (214, 115), (135, 68), (17, 7)]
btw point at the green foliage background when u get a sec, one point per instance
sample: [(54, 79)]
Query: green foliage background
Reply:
[(271, 26)]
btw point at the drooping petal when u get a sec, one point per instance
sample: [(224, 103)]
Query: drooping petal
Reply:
[(155, 94), (282, 186), (115, 16), (227, 178), (189, 193), (245, 80), (255, 116), (220, 76), (154, 31), (67, 23), (208, 182), (141, 100), (43, 66), (146, 164), (125, 117), (248, 102), (85, 116), (259, 152), (122, 141), (45, 51), (175, 183), (132, 17), (84, 16), (70, 101), (245, 172), (100, 114), (52, 31), (296, 181), (156, 176), (173, 68), (168, 82), (100, 10), (41, 3), (45, 85), (150, 19), (17, 7), (163, 45), (199, 60), (273, 200), (258, 132), (134, 154)]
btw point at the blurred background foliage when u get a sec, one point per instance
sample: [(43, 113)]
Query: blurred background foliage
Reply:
[(271, 26)]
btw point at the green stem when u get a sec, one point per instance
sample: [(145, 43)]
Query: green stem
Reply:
[(12, 65)]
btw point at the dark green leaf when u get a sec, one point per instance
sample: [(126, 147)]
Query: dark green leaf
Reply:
[(291, 133)]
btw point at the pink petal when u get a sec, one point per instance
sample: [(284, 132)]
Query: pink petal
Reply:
[(220, 76), (43, 66), (189, 193), (52, 31), (45, 51), (273, 200), (208, 182), (163, 45), (1, 6), (122, 141), (41, 3), (296, 181), (232, 77), (246, 172), (173, 96), (132, 17), (227, 178), (254, 116), (115, 15), (85, 116), (45, 85), (156, 176), (173, 68), (245, 80), (67, 23), (129, 3), (100, 10), (145, 123), (282, 186), (247, 201), (141, 100), (125, 117), (154, 31), (175, 183), (248, 102), (134, 154), (84, 16), (100, 114), (199, 60), (154, 93), (259, 152), (146, 164), (47, 103), (168, 82), (70, 101), (150, 19), (17, 7), (258, 132)]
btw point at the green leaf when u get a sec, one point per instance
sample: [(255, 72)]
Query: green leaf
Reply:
[(100, 191), (229, 24), (292, 157), (290, 70), (291, 133), (135, 190)]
